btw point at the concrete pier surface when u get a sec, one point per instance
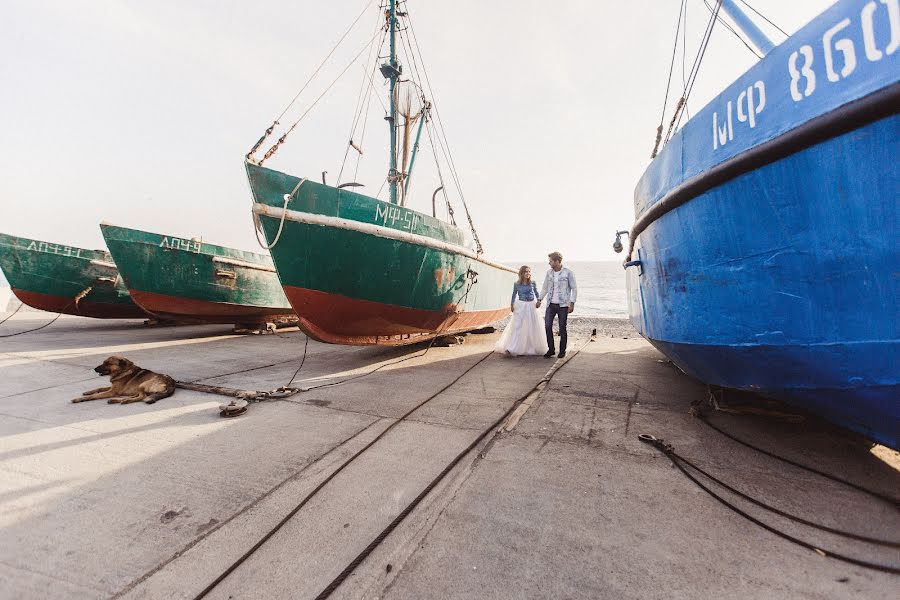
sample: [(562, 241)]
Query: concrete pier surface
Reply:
[(156, 501)]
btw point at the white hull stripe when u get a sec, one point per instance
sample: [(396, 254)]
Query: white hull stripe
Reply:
[(372, 229), (242, 263), (103, 263)]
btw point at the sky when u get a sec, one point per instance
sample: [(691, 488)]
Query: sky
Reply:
[(140, 113)]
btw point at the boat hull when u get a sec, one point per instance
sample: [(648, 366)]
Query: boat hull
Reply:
[(772, 267), (793, 296), (51, 276), (188, 280), (361, 271)]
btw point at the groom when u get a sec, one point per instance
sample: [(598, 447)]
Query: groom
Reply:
[(559, 283)]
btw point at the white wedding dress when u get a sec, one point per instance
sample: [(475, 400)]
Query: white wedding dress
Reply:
[(525, 333)]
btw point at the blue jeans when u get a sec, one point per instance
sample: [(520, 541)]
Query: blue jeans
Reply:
[(562, 311)]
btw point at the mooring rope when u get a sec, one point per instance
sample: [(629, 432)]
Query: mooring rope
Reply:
[(10, 316), (258, 223), (74, 301)]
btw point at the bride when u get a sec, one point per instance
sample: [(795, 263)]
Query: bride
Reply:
[(524, 334)]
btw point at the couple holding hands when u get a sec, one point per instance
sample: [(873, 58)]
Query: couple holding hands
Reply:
[(523, 335)]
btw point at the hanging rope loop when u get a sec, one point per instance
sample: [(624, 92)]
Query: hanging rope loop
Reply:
[(258, 224)]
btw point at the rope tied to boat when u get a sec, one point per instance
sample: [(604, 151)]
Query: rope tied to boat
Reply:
[(78, 297), (271, 151), (258, 224), (13, 313), (678, 461), (277, 121)]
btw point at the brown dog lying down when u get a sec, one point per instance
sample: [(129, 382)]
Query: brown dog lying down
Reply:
[(130, 383)]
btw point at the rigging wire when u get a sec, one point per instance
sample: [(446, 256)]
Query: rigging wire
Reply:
[(732, 30), (325, 60), (695, 69), (361, 100), (428, 129), (451, 163), (684, 55), (277, 121), (763, 17), (662, 117), (425, 113), (281, 140), (431, 136), (362, 135)]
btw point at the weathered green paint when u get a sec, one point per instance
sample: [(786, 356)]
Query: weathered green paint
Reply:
[(184, 268), (368, 267), (59, 270)]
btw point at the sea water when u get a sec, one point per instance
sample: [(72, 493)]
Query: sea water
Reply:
[(601, 286)]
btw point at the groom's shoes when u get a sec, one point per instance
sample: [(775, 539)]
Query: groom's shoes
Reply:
[(562, 354), (549, 353)]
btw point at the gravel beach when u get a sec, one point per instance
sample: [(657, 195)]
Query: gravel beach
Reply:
[(582, 326)]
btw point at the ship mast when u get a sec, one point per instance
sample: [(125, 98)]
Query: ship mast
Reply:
[(392, 70), (745, 24)]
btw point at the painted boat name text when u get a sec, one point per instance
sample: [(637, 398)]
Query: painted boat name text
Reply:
[(837, 50), (174, 243), (54, 249), (408, 219)]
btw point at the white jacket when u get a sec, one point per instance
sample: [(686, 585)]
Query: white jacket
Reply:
[(568, 290)]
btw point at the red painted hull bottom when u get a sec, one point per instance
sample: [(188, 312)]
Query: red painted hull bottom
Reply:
[(338, 319), (204, 311), (85, 308)]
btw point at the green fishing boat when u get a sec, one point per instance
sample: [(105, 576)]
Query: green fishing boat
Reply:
[(190, 280), (65, 279), (359, 270)]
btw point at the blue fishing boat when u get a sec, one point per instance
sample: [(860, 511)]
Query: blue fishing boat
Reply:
[(764, 254)]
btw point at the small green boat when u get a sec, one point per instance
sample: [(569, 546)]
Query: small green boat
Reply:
[(189, 280), (65, 279), (359, 270)]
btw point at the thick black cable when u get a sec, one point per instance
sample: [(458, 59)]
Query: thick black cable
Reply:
[(8, 317), (337, 581), (52, 321), (787, 515), (873, 493), (375, 370), (325, 482), (675, 459), (302, 360)]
